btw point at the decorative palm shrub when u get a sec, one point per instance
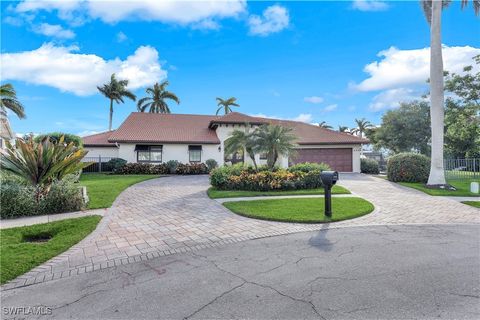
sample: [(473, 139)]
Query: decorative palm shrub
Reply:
[(42, 163), (408, 167), (369, 166), (275, 141)]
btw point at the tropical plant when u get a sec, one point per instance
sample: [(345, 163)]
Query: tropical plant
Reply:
[(226, 104), (115, 90), (362, 126), (211, 164), (55, 136), (433, 13), (40, 164), (275, 141), (8, 100), (157, 103), (325, 125), (343, 129), (242, 140)]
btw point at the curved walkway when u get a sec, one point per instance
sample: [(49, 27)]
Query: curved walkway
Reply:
[(173, 214)]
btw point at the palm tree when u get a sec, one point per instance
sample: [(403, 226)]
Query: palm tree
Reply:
[(362, 125), (242, 140), (433, 13), (115, 90), (156, 103), (324, 125), (343, 129), (9, 100), (226, 104), (275, 141)]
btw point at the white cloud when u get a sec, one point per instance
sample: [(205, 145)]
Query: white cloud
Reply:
[(274, 19), (53, 30), (168, 11), (121, 37), (399, 68), (207, 24), (313, 99), (302, 117), (369, 5), (390, 99), (330, 108), (62, 68)]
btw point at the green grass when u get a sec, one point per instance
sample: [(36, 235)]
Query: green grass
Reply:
[(463, 188), (475, 204), (103, 189), (215, 193), (18, 256), (304, 210)]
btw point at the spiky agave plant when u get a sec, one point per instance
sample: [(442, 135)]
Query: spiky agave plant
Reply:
[(42, 163)]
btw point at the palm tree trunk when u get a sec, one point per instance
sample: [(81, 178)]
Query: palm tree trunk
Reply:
[(111, 116), (437, 173)]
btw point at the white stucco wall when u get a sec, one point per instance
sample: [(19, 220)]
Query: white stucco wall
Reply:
[(111, 152), (356, 150), (177, 152)]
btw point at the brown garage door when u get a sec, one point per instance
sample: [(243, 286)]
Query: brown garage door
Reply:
[(339, 159)]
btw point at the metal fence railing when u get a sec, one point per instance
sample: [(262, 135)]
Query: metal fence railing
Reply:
[(97, 164), (458, 169)]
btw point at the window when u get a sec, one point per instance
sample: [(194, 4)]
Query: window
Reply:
[(263, 156), (149, 153), (195, 153)]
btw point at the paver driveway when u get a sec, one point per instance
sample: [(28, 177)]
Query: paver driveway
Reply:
[(173, 214)]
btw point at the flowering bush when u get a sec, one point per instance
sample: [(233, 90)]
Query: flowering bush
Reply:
[(247, 178), (191, 168), (143, 168)]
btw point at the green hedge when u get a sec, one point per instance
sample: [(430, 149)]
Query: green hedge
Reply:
[(369, 166), (309, 166), (170, 167), (238, 177), (408, 167)]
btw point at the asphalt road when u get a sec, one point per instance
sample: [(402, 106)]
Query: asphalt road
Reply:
[(401, 272)]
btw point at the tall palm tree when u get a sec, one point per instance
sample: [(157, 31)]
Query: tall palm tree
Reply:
[(157, 103), (226, 105), (343, 129), (275, 141), (362, 125), (9, 100), (244, 140), (115, 90), (325, 125), (433, 13)]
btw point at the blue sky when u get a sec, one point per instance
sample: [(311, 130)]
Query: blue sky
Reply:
[(313, 61)]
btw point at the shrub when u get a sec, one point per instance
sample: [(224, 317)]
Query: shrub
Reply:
[(234, 178), (192, 168), (211, 164), (116, 164), (143, 168), (408, 167), (19, 200), (309, 166), (55, 137), (369, 166), (172, 166)]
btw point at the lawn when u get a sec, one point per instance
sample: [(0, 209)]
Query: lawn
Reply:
[(475, 204), (215, 193), (19, 256), (463, 188), (304, 210), (103, 189)]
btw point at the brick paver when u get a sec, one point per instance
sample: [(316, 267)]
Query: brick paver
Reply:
[(173, 214)]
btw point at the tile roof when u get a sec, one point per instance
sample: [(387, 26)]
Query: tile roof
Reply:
[(99, 139), (166, 128), (190, 128)]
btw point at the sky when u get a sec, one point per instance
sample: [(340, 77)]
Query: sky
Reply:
[(313, 61)]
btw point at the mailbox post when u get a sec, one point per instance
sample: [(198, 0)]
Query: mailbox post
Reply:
[(329, 178)]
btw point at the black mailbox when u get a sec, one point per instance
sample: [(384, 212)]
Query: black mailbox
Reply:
[(329, 178)]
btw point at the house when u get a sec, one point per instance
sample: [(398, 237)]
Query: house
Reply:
[(6, 133), (189, 138)]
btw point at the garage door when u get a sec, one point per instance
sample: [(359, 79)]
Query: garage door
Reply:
[(339, 159)]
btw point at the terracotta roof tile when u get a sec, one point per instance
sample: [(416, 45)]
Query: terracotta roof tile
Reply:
[(99, 139)]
